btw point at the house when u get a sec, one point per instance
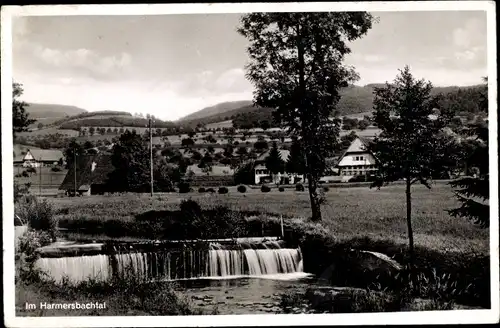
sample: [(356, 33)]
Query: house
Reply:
[(42, 157), (91, 176), (357, 160), (262, 174)]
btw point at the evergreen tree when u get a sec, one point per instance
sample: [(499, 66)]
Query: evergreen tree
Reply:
[(274, 162), (411, 145), (473, 191)]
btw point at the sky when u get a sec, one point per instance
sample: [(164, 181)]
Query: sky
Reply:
[(173, 65)]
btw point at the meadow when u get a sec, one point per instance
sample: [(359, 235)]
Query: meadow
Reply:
[(347, 213)]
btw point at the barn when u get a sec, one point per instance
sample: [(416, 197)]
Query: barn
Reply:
[(90, 176)]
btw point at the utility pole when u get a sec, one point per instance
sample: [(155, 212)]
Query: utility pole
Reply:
[(40, 178), (151, 152), (74, 168)]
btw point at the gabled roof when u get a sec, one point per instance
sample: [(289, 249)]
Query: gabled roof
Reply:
[(46, 154), (364, 140), (84, 174), (283, 152)]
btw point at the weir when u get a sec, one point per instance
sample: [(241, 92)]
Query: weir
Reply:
[(212, 261)]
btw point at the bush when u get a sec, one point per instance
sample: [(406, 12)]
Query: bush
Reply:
[(265, 188), (55, 169), (326, 189), (281, 189), (242, 188), (212, 190), (25, 174), (38, 213), (184, 187), (31, 170), (223, 190), (299, 187), (201, 190)]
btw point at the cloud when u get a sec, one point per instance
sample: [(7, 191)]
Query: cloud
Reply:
[(82, 59), (468, 35)]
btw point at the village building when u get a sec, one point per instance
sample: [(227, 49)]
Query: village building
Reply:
[(91, 177), (357, 160), (218, 175), (40, 157), (262, 174)]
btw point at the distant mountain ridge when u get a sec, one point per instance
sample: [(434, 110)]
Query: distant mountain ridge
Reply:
[(38, 110), (354, 100)]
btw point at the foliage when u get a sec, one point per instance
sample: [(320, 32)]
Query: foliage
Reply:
[(201, 190), (26, 255), (39, 214), (265, 188), (281, 189), (296, 67), (223, 190), (74, 149), (296, 161), (20, 191), (20, 118), (299, 187), (242, 188), (274, 162), (473, 191), (245, 173), (326, 189), (184, 187), (411, 145)]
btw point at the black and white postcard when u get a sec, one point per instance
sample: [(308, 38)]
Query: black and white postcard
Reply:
[(250, 164)]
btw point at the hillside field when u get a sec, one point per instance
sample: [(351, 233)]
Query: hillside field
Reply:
[(348, 213)]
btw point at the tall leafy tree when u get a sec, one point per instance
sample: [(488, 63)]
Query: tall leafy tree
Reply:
[(295, 162), (274, 162), (131, 161), (296, 68), (20, 118), (74, 149), (411, 144), (473, 191)]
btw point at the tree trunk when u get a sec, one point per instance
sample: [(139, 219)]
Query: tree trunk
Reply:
[(408, 221), (314, 198)]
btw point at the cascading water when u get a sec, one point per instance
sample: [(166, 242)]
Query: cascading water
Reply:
[(218, 262)]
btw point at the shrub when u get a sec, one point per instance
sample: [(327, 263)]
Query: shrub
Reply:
[(184, 187), (242, 188), (265, 188), (212, 190), (201, 190), (299, 187), (55, 169), (326, 189), (223, 190), (281, 189), (31, 170), (38, 213), (25, 174)]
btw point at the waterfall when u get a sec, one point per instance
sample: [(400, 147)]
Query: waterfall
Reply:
[(218, 262)]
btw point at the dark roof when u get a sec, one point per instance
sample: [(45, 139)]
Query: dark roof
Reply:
[(84, 174)]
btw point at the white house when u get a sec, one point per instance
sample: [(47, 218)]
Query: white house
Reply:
[(42, 157), (357, 160)]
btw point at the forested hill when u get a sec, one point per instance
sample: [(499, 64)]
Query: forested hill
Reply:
[(354, 100)]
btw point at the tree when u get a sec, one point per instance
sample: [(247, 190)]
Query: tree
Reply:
[(70, 151), (295, 161), (40, 126), (274, 162), (261, 145), (187, 142), (296, 68), (363, 124), (242, 151), (20, 118), (411, 145), (91, 130), (131, 161), (264, 125), (473, 191)]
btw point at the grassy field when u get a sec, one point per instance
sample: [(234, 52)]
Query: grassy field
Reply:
[(348, 212)]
